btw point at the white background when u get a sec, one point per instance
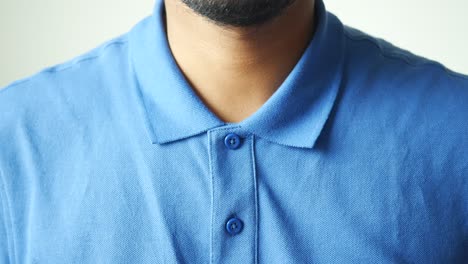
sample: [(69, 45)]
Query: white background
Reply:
[(37, 34)]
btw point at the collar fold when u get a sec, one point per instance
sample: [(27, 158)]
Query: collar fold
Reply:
[(293, 116)]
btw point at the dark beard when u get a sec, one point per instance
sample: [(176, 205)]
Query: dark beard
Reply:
[(238, 13)]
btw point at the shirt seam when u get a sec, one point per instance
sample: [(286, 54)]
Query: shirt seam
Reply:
[(394, 56), (252, 152), (90, 55), (5, 207)]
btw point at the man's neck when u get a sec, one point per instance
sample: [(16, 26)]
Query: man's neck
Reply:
[(235, 70)]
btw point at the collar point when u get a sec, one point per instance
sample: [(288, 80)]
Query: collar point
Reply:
[(291, 142)]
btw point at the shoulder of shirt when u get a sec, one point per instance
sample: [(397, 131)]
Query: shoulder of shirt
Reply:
[(402, 71), (63, 98), (388, 51), (30, 95), (410, 92), (50, 74)]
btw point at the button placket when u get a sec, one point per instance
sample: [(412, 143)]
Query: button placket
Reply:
[(234, 202)]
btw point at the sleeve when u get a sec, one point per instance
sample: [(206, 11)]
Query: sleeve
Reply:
[(4, 240)]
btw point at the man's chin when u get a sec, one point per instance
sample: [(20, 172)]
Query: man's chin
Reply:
[(242, 13)]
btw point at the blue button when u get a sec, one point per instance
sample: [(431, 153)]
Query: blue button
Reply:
[(234, 226), (232, 141)]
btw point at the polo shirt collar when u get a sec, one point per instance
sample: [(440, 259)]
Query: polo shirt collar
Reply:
[(293, 116)]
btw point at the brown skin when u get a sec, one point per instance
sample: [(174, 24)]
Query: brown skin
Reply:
[(234, 70)]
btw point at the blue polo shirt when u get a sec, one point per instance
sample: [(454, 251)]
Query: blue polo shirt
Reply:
[(360, 156)]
